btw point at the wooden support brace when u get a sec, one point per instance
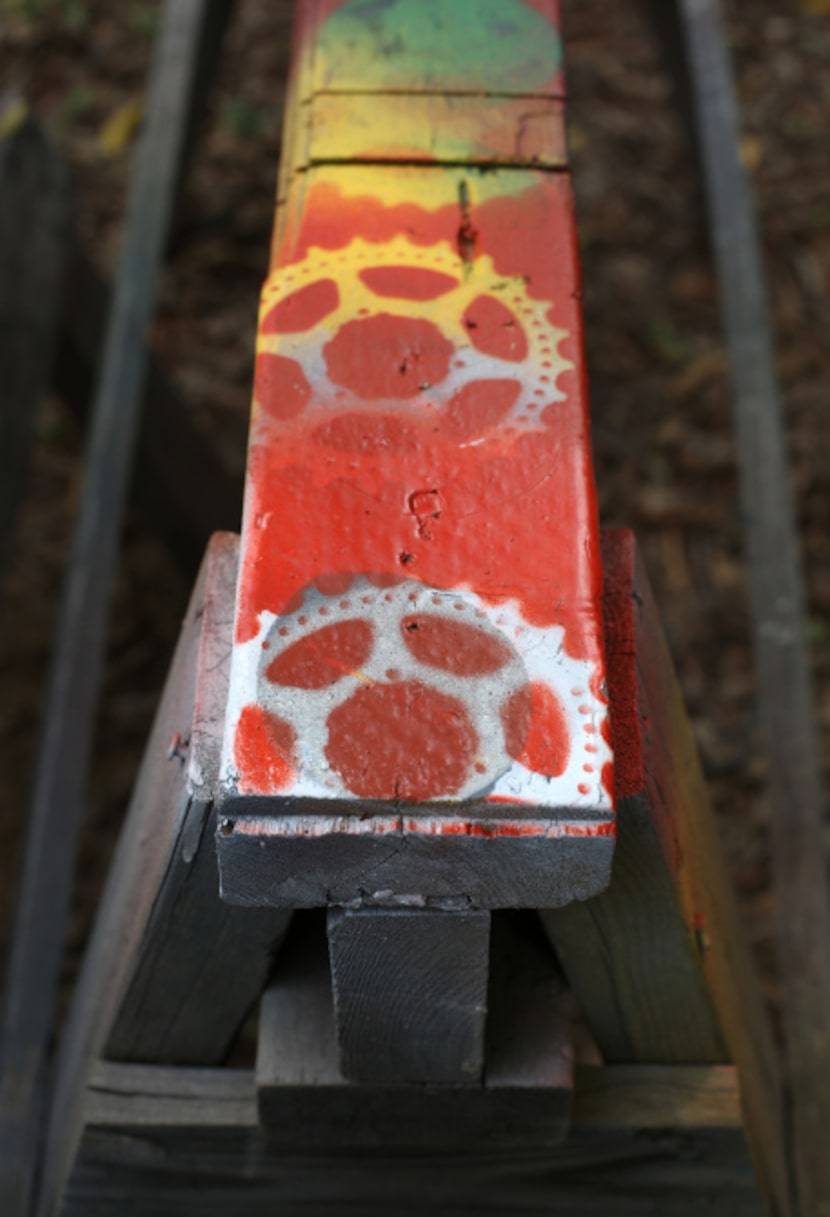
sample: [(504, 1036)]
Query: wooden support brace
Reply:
[(659, 961), (417, 708), (410, 993), (171, 971), (306, 1104)]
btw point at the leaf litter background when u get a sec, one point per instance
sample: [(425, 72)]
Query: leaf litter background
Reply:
[(664, 452)]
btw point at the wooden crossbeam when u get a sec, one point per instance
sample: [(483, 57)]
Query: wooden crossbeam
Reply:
[(417, 703), (305, 1102), (663, 1140)]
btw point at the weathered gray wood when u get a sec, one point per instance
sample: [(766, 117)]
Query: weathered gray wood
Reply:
[(58, 798), (265, 860), (199, 964), (36, 213), (158, 1096), (410, 993), (305, 1102), (656, 1096), (175, 461), (154, 1145), (171, 971), (181, 486), (797, 804), (659, 962)]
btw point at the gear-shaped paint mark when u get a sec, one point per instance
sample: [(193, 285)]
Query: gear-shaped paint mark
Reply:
[(404, 329), (392, 690)]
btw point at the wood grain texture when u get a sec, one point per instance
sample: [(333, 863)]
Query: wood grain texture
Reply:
[(798, 804), (306, 1103), (154, 1140), (36, 215), (170, 971), (656, 1096), (659, 962), (410, 993)]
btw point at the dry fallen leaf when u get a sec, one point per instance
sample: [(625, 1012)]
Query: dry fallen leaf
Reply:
[(117, 132), (751, 152)]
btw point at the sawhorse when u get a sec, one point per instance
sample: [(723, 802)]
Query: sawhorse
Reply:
[(424, 257)]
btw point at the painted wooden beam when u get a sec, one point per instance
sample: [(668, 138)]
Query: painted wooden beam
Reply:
[(417, 704), (659, 962), (179, 1141)]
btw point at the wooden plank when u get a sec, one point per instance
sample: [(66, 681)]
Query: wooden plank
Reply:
[(58, 797), (143, 1144), (394, 523), (786, 706), (170, 1098), (305, 1101), (175, 460), (656, 1096), (225, 1173), (448, 129), (410, 993), (171, 971), (417, 702), (36, 213), (659, 962)]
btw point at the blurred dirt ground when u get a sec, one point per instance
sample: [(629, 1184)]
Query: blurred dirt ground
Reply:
[(663, 443)]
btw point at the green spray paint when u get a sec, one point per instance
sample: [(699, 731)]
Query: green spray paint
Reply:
[(476, 46)]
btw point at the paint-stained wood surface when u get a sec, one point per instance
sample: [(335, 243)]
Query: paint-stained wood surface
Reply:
[(447, 129), (659, 961), (410, 993), (428, 46), (417, 695), (306, 1103), (171, 971), (185, 1141)]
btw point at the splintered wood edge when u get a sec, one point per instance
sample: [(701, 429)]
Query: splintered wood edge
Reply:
[(605, 1097)]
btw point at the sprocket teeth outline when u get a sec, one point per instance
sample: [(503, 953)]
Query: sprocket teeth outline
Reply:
[(537, 373), (537, 657)]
